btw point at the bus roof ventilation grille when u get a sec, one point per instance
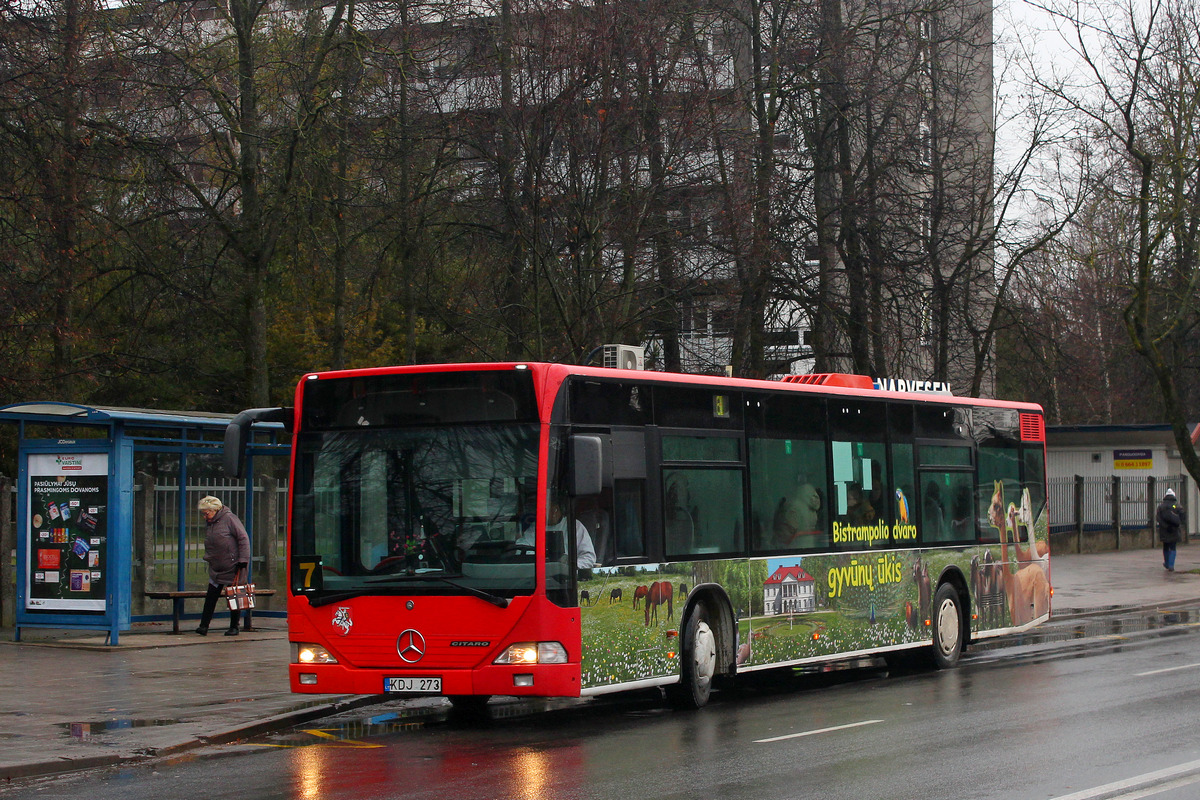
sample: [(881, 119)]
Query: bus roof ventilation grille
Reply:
[(833, 379), (1033, 428)]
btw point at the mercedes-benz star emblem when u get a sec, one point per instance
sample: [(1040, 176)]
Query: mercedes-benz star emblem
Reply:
[(410, 646)]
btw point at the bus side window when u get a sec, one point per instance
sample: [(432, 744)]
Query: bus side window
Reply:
[(614, 521), (933, 512), (947, 507), (904, 493), (1035, 476), (861, 498), (596, 515), (999, 482), (702, 511), (789, 509), (679, 524), (629, 530)]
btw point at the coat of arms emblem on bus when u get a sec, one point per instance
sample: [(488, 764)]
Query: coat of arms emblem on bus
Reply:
[(341, 619)]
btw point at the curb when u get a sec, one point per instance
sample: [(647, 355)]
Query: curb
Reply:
[(1068, 614), (1044, 649), (63, 764)]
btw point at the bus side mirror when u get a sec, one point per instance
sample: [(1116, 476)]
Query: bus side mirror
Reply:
[(237, 435), (585, 470)]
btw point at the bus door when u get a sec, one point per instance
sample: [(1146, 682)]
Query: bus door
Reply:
[(612, 519), (616, 516)]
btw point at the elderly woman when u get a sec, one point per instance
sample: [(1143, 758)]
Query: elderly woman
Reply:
[(227, 551)]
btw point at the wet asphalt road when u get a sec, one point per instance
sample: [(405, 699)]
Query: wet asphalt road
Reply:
[(1104, 718)]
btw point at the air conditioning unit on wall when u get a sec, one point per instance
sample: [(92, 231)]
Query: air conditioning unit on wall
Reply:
[(624, 356)]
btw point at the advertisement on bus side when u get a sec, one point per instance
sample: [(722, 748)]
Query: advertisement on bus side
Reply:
[(792, 609)]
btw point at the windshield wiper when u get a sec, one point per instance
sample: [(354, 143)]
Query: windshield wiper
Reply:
[(495, 600), (325, 599)]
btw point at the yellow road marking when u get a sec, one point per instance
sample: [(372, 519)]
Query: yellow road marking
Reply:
[(328, 739)]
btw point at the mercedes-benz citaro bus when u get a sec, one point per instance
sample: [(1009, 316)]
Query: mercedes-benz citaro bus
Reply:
[(533, 529)]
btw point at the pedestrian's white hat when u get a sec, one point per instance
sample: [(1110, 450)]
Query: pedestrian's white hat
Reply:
[(1170, 493), (210, 503)]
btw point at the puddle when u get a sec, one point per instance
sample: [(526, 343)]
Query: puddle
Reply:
[(354, 728), (86, 730), (364, 729)]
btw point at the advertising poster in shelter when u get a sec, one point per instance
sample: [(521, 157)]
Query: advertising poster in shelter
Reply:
[(68, 532)]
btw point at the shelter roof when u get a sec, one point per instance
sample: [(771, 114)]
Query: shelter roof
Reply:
[(56, 413), (1102, 435)]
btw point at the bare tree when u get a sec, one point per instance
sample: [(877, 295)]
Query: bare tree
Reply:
[(53, 54), (233, 91), (1141, 105), (909, 205)]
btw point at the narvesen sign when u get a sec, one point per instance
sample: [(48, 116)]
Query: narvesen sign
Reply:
[(902, 385)]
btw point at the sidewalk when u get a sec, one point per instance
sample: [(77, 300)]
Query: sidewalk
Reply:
[(1126, 579), (70, 702)]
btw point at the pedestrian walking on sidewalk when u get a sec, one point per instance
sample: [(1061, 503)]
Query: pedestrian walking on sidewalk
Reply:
[(1169, 521), (227, 551)]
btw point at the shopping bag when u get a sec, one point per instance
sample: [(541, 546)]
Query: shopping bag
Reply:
[(240, 596)]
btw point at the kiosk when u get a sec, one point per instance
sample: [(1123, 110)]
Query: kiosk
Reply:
[(76, 506)]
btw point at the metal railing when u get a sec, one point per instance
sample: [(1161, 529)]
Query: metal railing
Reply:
[(1114, 502), (168, 531)]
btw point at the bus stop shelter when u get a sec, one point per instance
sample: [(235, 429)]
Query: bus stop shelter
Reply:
[(106, 502)]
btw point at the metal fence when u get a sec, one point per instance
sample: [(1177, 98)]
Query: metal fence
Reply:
[(1108, 503), (168, 531), (168, 554)]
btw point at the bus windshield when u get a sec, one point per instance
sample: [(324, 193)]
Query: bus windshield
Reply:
[(429, 510)]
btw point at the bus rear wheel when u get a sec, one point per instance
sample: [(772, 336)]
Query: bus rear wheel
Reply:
[(698, 664), (947, 627)]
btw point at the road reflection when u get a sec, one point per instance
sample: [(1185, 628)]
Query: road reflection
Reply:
[(310, 768), (375, 759), (533, 749)]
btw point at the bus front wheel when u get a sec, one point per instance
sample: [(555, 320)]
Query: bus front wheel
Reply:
[(947, 627), (698, 662)]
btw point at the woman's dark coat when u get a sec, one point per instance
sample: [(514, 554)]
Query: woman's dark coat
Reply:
[(1168, 521), (225, 546)]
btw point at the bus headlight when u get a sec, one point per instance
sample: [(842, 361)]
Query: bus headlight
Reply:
[(533, 653), (303, 653)]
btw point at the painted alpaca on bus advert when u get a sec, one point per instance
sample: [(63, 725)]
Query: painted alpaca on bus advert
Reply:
[(1023, 517), (989, 588), (1026, 584)]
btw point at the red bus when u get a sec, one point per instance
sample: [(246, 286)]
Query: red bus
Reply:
[(534, 529)]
